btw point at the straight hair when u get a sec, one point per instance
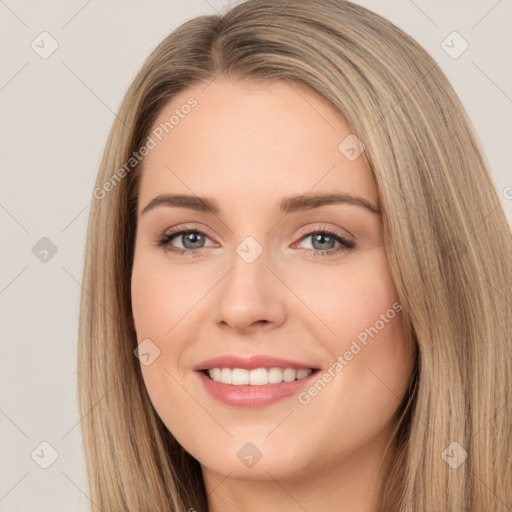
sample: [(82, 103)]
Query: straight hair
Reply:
[(446, 236)]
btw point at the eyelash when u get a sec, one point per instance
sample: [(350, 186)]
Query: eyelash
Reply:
[(164, 242)]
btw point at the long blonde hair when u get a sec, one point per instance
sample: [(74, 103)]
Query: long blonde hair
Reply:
[(447, 240)]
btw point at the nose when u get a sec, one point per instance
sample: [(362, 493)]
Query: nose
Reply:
[(250, 296)]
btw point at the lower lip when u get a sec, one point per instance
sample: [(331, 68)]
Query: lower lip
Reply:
[(253, 396)]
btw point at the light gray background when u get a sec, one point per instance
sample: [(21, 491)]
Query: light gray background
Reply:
[(56, 114)]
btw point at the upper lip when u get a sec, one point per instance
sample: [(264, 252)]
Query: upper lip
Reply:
[(250, 363)]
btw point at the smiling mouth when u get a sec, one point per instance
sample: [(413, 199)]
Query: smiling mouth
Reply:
[(257, 376)]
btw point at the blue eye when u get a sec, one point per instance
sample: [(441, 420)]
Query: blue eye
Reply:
[(328, 239), (193, 239)]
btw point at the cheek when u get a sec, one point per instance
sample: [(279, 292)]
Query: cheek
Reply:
[(159, 300), (361, 328), (160, 297), (151, 304), (348, 298)]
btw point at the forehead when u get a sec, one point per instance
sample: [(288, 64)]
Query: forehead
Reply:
[(243, 142)]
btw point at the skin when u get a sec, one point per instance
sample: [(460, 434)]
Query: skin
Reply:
[(247, 146)]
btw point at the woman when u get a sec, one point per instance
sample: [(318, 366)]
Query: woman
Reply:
[(229, 359)]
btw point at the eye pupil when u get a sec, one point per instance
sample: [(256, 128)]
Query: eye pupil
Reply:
[(195, 238), (321, 238)]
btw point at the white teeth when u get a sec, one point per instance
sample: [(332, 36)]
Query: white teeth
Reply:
[(275, 376), (303, 373), (224, 375), (289, 374), (239, 376), (258, 376)]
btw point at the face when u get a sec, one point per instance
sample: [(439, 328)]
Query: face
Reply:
[(271, 328)]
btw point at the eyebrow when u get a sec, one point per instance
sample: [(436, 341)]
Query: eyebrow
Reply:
[(286, 205)]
